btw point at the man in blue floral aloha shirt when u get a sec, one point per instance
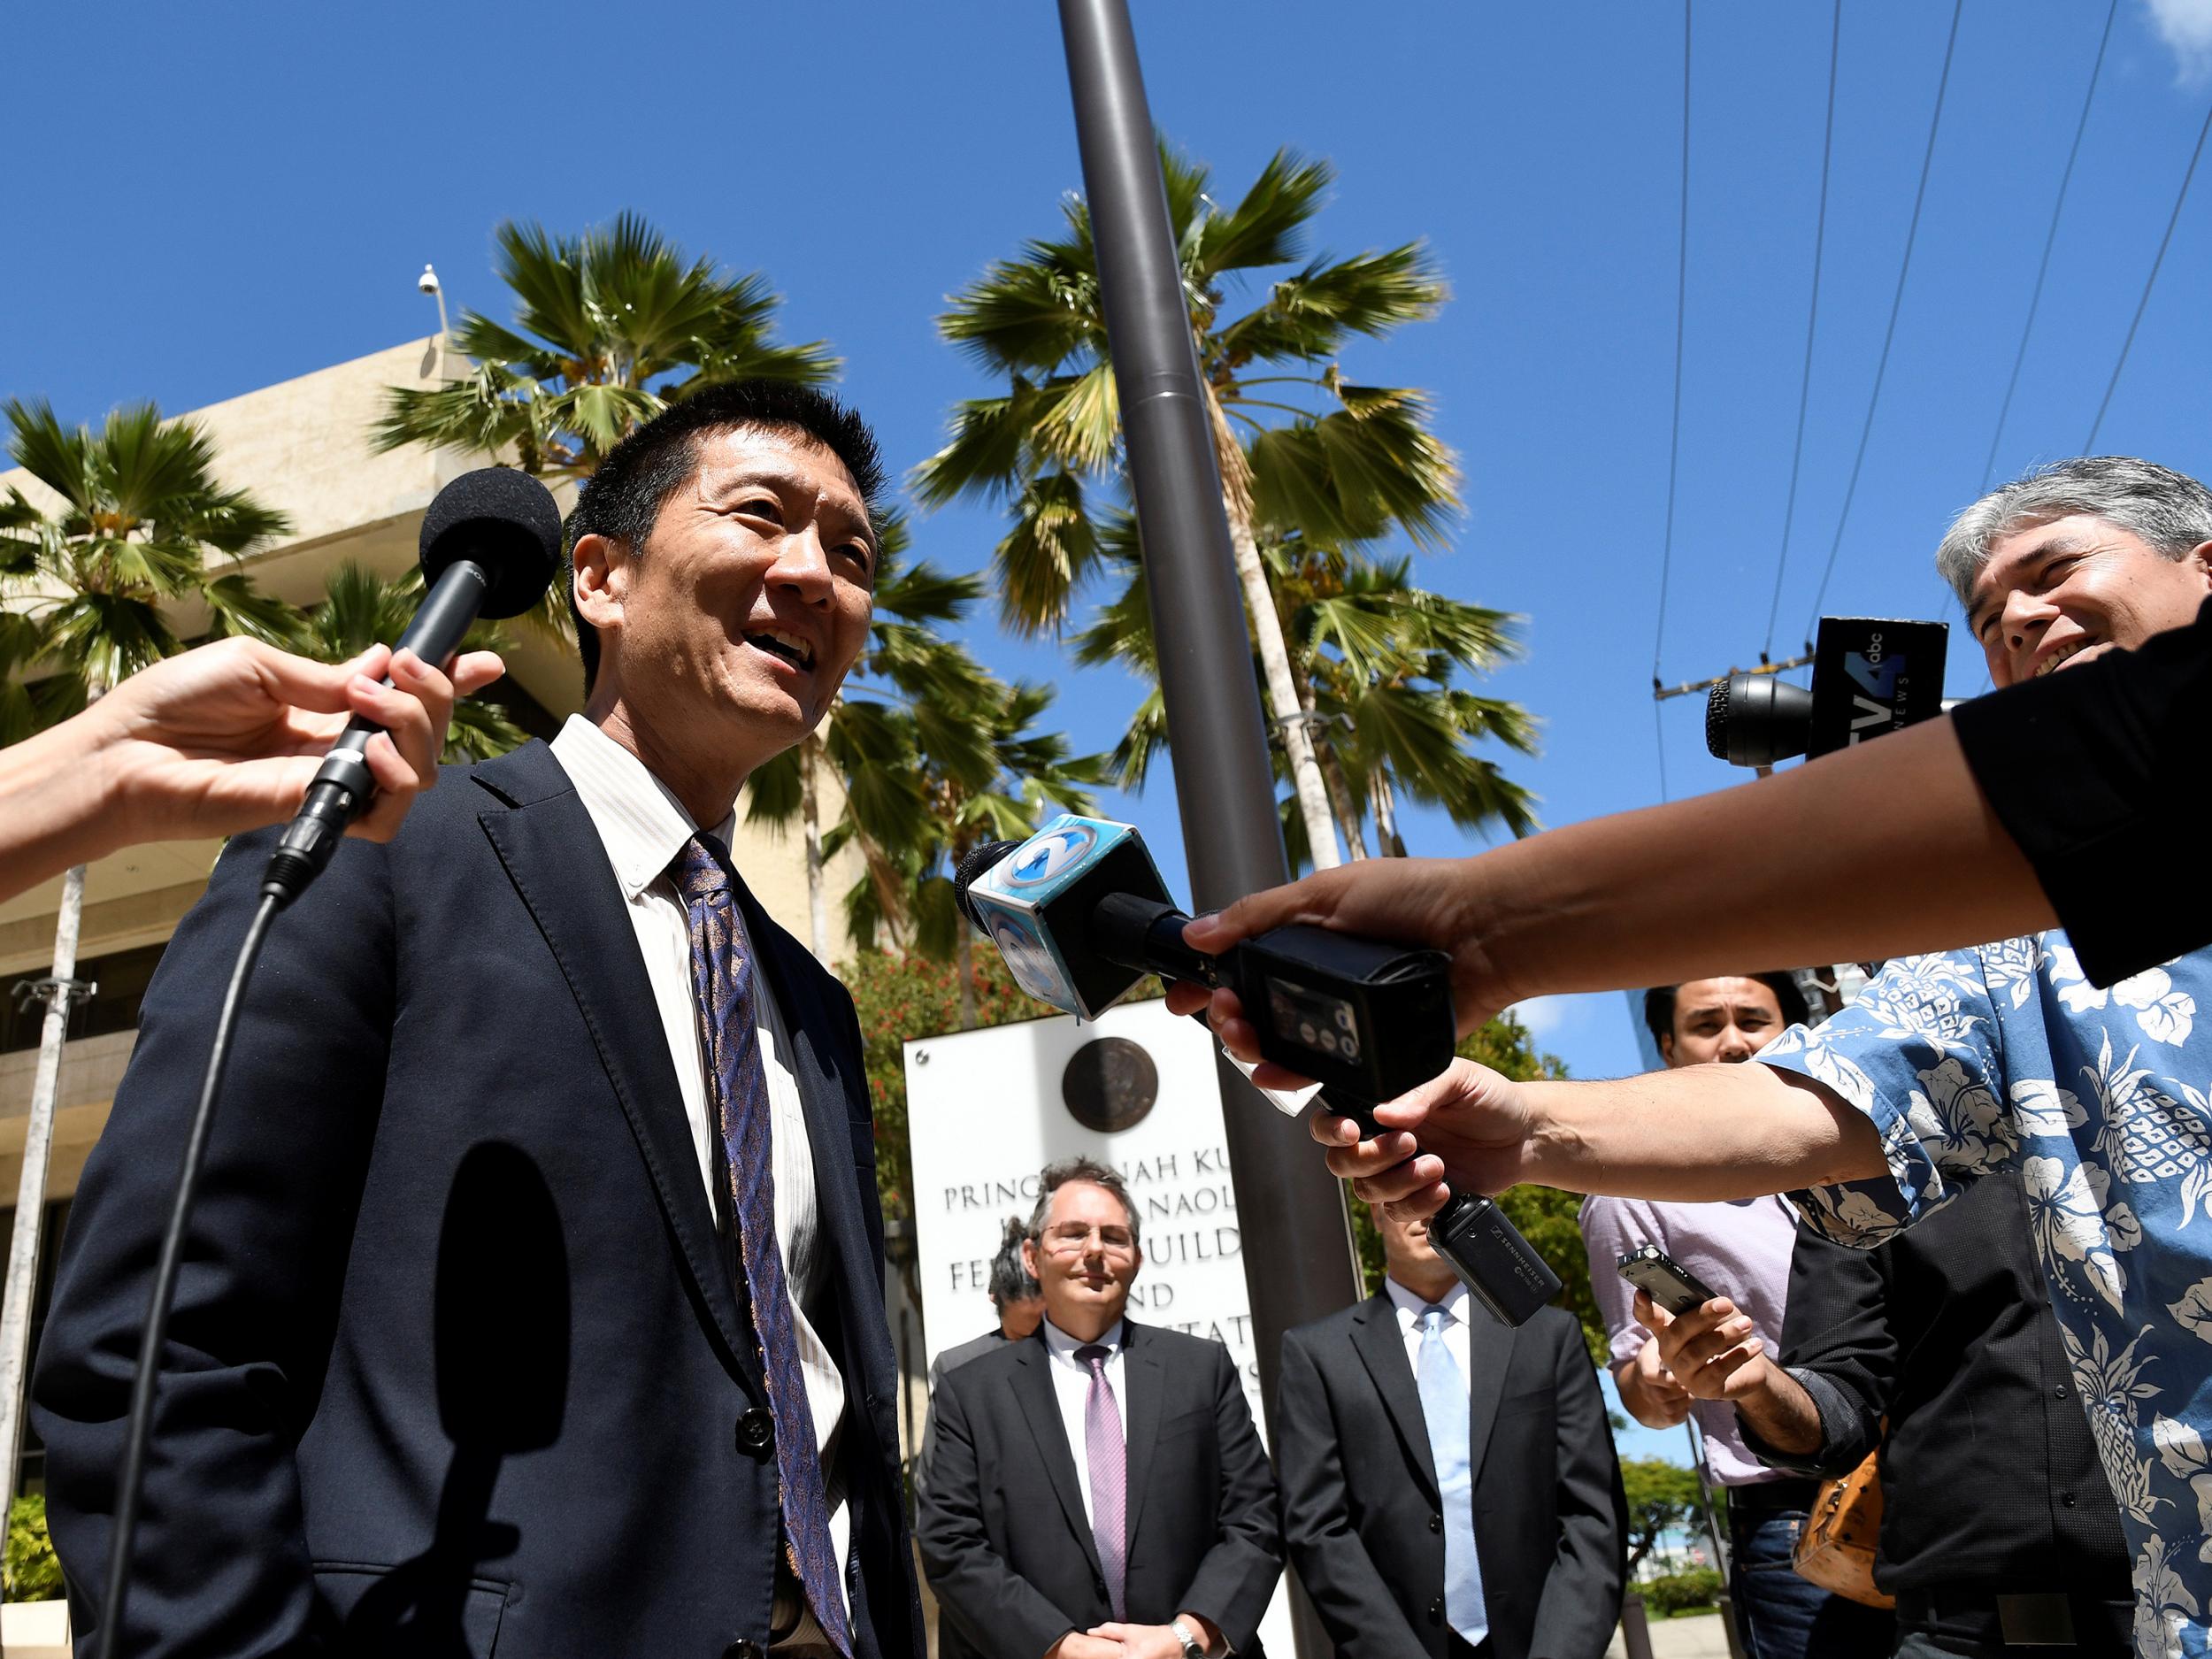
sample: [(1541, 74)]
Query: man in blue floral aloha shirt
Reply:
[(2005, 1057), (1952, 1066)]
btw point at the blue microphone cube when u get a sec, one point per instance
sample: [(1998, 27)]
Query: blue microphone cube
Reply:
[(1035, 903)]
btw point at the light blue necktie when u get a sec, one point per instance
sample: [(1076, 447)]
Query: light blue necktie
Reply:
[(1444, 1404)]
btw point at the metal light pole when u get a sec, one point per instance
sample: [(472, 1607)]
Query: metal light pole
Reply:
[(1298, 1258)]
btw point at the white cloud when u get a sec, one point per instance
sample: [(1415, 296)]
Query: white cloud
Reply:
[(2186, 26), (1543, 1016)]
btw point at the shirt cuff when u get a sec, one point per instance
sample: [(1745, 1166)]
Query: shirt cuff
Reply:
[(1862, 1213), (1844, 1438)]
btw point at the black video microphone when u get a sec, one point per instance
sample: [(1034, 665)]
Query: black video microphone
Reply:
[(1081, 914), (490, 543)]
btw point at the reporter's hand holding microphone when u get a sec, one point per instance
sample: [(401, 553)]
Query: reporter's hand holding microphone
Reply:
[(221, 739)]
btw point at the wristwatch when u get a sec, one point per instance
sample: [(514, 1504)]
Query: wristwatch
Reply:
[(1193, 1648)]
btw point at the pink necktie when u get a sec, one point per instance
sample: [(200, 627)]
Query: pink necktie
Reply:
[(1109, 1476)]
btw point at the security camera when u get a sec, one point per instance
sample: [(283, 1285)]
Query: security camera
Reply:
[(427, 281)]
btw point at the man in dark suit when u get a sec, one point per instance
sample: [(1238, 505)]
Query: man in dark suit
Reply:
[(1018, 1300), (1450, 1487), (1098, 1490), (535, 1295)]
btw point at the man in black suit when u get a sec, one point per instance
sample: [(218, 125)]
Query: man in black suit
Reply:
[(1098, 1491), (1493, 1526), (535, 1295)]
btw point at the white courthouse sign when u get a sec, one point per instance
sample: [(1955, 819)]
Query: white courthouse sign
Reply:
[(1135, 1089)]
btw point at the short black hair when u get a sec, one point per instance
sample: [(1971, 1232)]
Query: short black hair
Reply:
[(1659, 1002), (622, 500), (1011, 1281)]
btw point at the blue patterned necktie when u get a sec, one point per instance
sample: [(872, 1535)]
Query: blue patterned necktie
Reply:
[(1445, 1407), (723, 977)]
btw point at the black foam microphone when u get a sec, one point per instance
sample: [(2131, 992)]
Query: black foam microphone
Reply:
[(490, 543), (1080, 915)]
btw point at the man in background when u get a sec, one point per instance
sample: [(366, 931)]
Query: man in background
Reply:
[(1020, 1303), (1018, 1300), (1450, 1487), (1741, 1250), (1098, 1491)]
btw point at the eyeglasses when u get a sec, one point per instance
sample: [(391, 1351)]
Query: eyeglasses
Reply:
[(1071, 1237)]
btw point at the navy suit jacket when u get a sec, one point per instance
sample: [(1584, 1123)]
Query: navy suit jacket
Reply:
[(459, 1363), (1360, 1493), (1006, 1542)]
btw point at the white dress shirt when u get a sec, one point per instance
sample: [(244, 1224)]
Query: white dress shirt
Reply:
[(1072, 1387), (1457, 1338), (644, 827)]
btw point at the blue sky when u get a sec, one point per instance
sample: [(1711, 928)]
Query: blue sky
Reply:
[(231, 196)]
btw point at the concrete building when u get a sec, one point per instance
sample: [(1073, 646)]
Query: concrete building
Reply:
[(303, 447)]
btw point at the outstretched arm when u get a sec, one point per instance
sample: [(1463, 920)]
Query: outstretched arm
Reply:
[(1704, 1132), (221, 739), (1920, 863)]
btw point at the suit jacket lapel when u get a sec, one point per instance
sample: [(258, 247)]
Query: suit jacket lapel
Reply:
[(1490, 1352), (1382, 1349), (551, 851), (1041, 1406), (1145, 1383)]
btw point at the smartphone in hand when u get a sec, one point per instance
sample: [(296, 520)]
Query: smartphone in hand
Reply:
[(1666, 1281)]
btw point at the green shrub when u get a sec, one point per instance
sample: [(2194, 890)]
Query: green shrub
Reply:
[(34, 1575), (1673, 1592)]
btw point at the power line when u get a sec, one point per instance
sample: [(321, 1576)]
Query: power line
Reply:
[(1896, 304), (2050, 240), (1674, 436), (2090, 446), (1812, 318)]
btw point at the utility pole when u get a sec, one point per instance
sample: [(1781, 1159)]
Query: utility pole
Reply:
[(1298, 1262), (1298, 1257)]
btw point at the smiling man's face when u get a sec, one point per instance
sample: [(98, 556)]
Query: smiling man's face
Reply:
[(2060, 592), (751, 601)]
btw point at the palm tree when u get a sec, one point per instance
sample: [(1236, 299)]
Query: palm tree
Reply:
[(359, 609), (611, 328), (1298, 448), (1023, 773), (94, 580), (1375, 660)]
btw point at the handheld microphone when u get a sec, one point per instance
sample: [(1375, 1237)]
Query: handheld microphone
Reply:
[(490, 543), (1080, 915)]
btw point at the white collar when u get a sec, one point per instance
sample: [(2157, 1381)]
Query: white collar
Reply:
[(638, 817), (1410, 1307), (1064, 1346)]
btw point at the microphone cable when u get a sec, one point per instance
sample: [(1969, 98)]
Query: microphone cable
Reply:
[(155, 1331)]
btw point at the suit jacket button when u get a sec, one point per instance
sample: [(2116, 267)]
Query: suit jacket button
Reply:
[(1436, 1610), (1436, 1523), (743, 1649), (1098, 1586), (755, 1433)]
